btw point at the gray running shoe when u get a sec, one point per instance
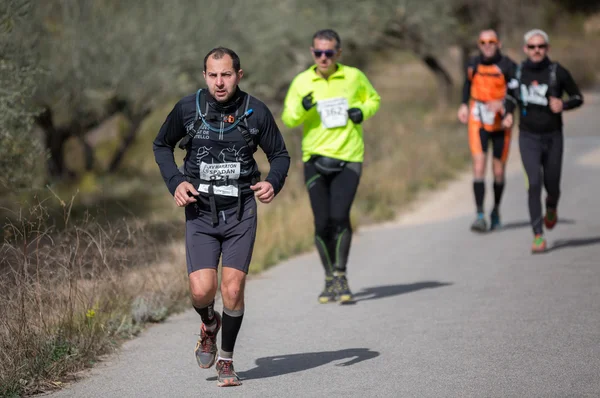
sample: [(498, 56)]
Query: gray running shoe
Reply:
[(226, 376), (479, 225), (206, 347)]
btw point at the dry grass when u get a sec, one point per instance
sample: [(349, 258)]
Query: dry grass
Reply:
[(72, 295)]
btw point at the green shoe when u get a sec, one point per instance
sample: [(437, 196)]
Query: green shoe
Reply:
[(539, 244)]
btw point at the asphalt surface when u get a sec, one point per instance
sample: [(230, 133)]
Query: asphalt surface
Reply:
[(440, 311)]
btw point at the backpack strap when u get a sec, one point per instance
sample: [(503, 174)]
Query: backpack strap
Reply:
[(246, 131), (187, 140), (553, 81), (201, 103)]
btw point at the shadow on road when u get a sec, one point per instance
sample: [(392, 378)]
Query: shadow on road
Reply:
[(525, 224), (377, 292), (562, 243), (291, 363)]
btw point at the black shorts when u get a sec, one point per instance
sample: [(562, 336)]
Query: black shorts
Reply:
[(233, 239), (479, 141)]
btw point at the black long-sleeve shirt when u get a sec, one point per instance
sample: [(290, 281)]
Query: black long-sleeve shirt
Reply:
[(535, 88), (213, 148)]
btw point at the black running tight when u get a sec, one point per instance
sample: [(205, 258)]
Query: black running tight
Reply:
[(331, 198), (541, 155)]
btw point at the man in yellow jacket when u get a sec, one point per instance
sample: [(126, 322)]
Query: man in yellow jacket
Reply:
[(331, 100)]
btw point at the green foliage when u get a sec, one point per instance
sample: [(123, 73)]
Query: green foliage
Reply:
[(21, 151)]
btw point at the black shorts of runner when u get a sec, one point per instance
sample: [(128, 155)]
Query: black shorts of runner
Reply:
[(233, 239), (479, 141)]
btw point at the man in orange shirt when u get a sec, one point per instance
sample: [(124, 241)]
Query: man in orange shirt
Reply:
[(489, 76)]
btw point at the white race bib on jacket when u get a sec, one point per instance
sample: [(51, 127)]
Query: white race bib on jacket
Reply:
[(333, 112)]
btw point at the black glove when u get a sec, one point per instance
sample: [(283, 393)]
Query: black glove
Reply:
[(307, 101), (355, 115)]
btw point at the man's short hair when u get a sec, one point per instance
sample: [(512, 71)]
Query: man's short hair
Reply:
[(328, 34), (536, 32), (491, 31), (220, 52)]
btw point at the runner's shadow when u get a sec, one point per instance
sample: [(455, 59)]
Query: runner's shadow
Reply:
[(525, 224), (291, 363), (562, 243), (377, 292)]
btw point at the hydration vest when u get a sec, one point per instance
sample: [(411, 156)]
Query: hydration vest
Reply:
[(237, 122)]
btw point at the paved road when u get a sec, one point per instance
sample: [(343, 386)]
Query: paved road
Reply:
[(440, 311)]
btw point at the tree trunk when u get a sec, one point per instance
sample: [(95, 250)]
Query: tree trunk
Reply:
[(55, 142), (88, 152), (443, 78), (136, 121), (465, 53)]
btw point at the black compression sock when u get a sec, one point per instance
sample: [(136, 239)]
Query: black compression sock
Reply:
[(207, 314), (479, 191), (498, 190), (232, 322)]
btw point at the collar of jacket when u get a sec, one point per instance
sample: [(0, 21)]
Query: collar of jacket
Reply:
[(338, 73)]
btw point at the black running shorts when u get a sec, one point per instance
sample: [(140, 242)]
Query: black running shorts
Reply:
[(233, 239)]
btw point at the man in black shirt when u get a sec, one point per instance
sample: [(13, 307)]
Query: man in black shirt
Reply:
[(221, 128), (542, 83)]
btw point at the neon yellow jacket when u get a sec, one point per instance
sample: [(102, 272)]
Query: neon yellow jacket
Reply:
[(346, 142)]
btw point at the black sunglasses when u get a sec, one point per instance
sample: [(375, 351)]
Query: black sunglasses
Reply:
[(328, 53), (533, 46)]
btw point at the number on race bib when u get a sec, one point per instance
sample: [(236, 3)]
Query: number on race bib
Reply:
[(333, 112)]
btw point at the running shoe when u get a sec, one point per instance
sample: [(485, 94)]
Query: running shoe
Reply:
[(328, 294), (226, 376), (479, 225), (206, 347), (539, 244)]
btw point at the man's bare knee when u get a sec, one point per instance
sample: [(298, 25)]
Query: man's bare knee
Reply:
[(479, 167), (232, 288), (203, 286)]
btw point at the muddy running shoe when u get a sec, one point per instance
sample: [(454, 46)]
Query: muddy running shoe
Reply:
[(206, 347), (328, 294), (539, 244), (341, 288), (495, 220), (479, 225), (226, 376), (551, 218)]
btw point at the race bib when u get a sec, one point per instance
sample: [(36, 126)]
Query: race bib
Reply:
[(220, 172), (333, 112), (483, 114)]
